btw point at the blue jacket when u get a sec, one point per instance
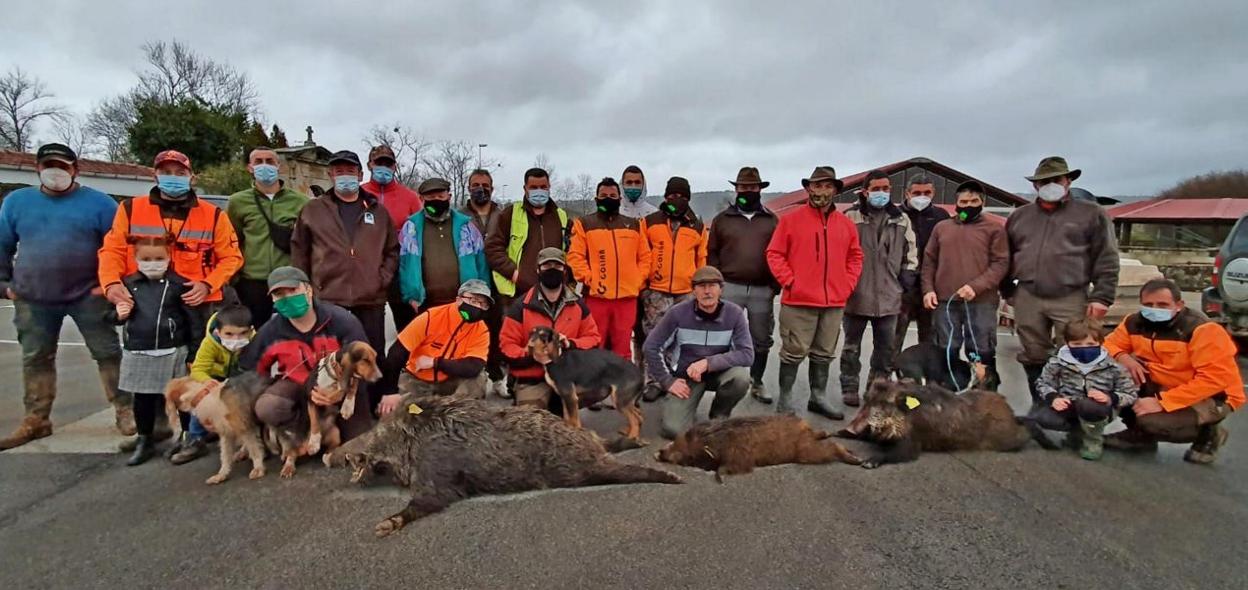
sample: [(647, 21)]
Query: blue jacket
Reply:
[(59, 238), (685, 335), (469, 247)]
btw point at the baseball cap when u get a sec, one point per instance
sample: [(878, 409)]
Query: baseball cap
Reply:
[(476, 287), (285, 277), (551, 254), (345, 157), (970, 185), (56, 151), (172, 156)]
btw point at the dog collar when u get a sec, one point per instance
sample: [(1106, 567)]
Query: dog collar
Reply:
[(203, 393)]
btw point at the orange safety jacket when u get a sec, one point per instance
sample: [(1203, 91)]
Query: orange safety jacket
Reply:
[(610, 255), (675, 253), (442, 334)]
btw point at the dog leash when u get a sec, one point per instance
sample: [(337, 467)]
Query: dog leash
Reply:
[(966, 330)]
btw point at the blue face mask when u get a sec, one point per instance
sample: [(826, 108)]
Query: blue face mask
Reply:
[(539, 197), (264, 173), (346, 184), (1157, 316), (383, 175), (173, 186), (1085, 354), (878, 199)]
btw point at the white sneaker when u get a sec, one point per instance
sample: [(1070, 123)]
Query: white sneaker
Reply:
[(499, 388)]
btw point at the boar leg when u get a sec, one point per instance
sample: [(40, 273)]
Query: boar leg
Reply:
[(612, 472), (902, 451), (422, 504), (817, 452)]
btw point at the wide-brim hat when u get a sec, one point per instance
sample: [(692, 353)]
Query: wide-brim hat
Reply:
[(823, 173), (1053, 167), (749, 175)]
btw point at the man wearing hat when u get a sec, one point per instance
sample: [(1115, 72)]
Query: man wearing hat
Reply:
[(701, 344), (815, 256), (443, 350), (965, 261), (56, 277), (439, 249), (553, 304), (401, 203), (303, 328), (738, 247), (1058, 246), (346, 242), (678, 242)]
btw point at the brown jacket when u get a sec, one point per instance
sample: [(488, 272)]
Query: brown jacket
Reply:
[(544, 232), (975, 254), (1055, 253), (346, 273), (738, 246)]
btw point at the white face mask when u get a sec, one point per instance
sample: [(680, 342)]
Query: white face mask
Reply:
[(55, 179), (234, 344), (153, 269), (1052, 192), (920, 203)]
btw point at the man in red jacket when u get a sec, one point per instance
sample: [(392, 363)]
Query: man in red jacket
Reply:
[(815, 256), (401, 203)]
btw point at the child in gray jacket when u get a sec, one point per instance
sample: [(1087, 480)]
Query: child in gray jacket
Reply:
[(1081, 386)]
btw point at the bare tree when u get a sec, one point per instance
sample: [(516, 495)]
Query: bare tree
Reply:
[(453, 161), (585, 187), (543, 161), (23, 101), (110, 124), (72, 130), (176, 72), (410, 149)]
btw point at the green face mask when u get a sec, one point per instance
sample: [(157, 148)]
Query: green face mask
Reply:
[(292, 306)]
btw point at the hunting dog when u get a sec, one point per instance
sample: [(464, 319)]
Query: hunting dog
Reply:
[(446, 449), (583, 378), (924, 363), (337, 374), (735, 446), (226, 409)]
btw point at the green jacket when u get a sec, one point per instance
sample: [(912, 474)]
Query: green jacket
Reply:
[(214, 361), (260, 256), (469, 248)]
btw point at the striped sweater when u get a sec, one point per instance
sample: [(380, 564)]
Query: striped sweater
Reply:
[(685, 335)]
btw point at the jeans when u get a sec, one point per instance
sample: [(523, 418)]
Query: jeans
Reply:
[(39, 331), (883, 329), (729, 385), (196, 430)]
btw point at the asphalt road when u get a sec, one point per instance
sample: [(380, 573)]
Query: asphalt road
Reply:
[(1025, 520)]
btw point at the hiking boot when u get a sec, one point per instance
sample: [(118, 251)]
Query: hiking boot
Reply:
[(652, 392), (1203, 452), (850, 398), (818, 387), (1093, 436), (759, 392), (31, 428), (788, 376), (158, 436), (144, 449), (124, 418), (1131, 440), (190, 451)]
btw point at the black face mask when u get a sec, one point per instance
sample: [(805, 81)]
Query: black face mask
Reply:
[(479, 196), (551, 278), (608, 206), (437, 208), (471, 313), (676, 208), (969, 214), (749, 201)]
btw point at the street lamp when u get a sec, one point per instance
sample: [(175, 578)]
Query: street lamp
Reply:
[(480, 146)]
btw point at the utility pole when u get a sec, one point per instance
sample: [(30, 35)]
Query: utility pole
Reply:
[(480, 146)]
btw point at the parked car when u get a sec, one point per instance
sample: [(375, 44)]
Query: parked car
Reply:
[(1227, 300)]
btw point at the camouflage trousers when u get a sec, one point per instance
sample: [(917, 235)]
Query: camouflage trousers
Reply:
[(38, 331), (654, 306)]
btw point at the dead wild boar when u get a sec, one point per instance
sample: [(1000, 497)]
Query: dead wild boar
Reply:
[(446, 449), (735, 446)]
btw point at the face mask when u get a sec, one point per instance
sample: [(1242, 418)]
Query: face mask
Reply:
[(173, 186), (1085, 354), (292, 306), (677, 208), (538, 197), (437, 208), (920, 203), (551, 277), (479, 196), (632, 193), (608, 206), (264, 173), (749, 201), (383, 175), (234, 344), (153, 269), (346, 184), (969, 214), (55, 179), (819, 200), (471, 313), (878, 199), (1156, 315), (1052, 192)]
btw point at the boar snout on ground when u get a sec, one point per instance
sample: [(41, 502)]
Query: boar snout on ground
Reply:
[(446, 449), (736, 446)]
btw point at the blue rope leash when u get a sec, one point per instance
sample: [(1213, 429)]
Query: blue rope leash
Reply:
[(966, 330)]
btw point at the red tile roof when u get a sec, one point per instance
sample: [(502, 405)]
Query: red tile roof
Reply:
[(842, 207), (1160, 210), (89, 167)]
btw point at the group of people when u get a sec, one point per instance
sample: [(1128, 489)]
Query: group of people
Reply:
[(277, 281)]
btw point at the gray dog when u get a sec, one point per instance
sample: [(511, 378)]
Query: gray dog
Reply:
[(447, 449)]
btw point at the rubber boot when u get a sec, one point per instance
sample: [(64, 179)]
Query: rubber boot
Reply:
[(1033, 375), (1205, 449), (123, 406), (757, 390), (144, 449), (788, 376), (1093, 439), (818, 392), (31, 428)]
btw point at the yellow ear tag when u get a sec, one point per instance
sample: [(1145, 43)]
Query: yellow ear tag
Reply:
[(912, 402), (413, 409)]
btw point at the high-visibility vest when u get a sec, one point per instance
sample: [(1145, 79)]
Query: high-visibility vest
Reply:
[(515, 244), (191, 249)]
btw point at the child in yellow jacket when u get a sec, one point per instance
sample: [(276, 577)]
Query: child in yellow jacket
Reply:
[(228, 333)]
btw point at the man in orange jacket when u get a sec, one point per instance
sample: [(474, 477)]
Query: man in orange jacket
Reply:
[(205, 247), (610, 255), (1188, 376), (678, 243)]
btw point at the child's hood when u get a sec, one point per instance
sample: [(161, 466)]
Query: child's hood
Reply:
[(1102, 361)]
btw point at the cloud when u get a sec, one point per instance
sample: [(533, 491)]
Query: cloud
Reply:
[(1139, 95)]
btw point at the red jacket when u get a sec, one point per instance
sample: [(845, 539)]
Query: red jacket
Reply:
[(816, 259), (570, 317), (400, 202)]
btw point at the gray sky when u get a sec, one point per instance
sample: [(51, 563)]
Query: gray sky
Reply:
[(1138, 94)]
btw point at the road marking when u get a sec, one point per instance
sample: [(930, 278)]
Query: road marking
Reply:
[(3, 341), (95, 434)]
